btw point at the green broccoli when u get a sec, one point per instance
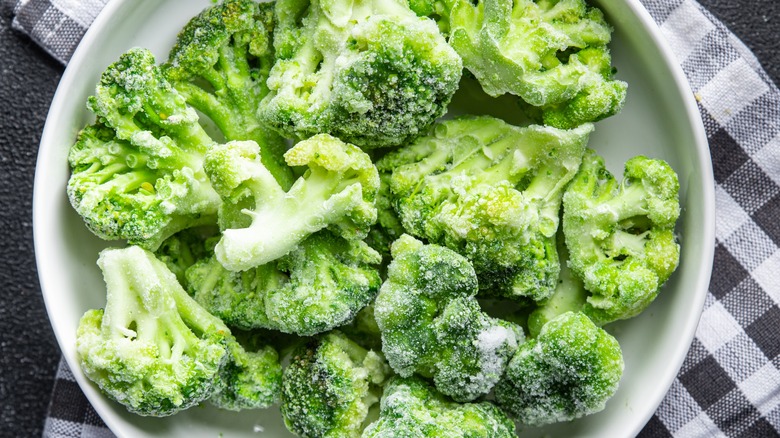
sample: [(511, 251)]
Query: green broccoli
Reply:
[(371, 72), (551, 53), (388, 226), (337, 191), (569, 370), (321, 284), (621, 235), (220, 64), (137, 174), (410, 408), (431, 323), (329, 387), (364, 330), (252, 376), (153, 348), (491, 192)]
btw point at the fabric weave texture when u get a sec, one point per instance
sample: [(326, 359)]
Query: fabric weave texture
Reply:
[(729, 384)]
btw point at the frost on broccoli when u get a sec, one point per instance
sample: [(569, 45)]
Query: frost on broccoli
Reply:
[(153, 348), (321, 284), (570, 370), (621, 235), (137, 174), (252, 376), (491, 192), (410, 408), (370, 72), (337, 191), (431, 323), (220, 64), (551, 53), (329, 387)]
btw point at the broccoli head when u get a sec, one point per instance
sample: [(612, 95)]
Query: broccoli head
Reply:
[(431, 323), (410, 408), (252, 376), (569, 370), (551, 53), (153, 348), (137, 174), (337, 191), (621, 235), (371, 73), (491, 192), (329, 387), (220, 64), (186, 247), (321, 284)]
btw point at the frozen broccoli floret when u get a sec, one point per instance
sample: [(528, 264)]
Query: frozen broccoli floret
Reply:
[(621, 235), (321, 284), (410, 408), (153, 348), (337, 192), (551, 53), (431, 323), (371, 73), (388, 226), (137, 174), (220, 64), (491, 192), (252, 376), (329, 387), (570, 370)]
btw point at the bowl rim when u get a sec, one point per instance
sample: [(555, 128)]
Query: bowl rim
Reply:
[(694, 121)]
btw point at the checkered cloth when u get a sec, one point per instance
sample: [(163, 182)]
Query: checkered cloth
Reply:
[(729, 384)]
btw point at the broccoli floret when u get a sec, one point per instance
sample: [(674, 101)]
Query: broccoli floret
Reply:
[(410, 408), (491, 192), (337, 191), (388, 226), (551, 53), (570, 370), (153, 348), (371, 73), (252, 376), (431, 322), (621, 235), (329, 387), (137, 174), (321, 284), (220, 64)]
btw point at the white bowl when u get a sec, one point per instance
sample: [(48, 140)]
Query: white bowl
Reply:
[(660, 120)]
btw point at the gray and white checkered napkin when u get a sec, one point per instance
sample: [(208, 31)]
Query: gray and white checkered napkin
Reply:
[(730, 382)]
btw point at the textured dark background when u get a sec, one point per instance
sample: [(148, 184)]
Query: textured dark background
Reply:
[(28, 79)]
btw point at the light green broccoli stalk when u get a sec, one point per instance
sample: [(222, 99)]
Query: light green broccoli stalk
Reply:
[(137, 174), (153, 349), (252, 376), (321, 284), (369, 72), (491, 192), (337, 191), (410, 408), (220, 64), (570, 370), (621, 235), (431, 323), (330, 386), (551, 53)]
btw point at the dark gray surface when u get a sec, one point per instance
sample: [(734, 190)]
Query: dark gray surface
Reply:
[(28, 79)]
